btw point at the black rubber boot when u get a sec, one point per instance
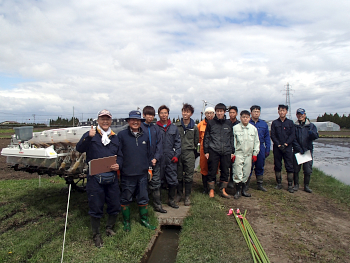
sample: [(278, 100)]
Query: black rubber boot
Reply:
[(290, 182), (179, 190), (296, 182), (278, 180), (246, 187), (95, 226), (238, 193), (259, 181), (244, 193), (157, 201), (171, 196), (188, 188), (110, 225), (306, 183), (230, 182), (205, 184), (223, 186)]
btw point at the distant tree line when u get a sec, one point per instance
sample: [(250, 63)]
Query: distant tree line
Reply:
[(343, 121), (64, 121)]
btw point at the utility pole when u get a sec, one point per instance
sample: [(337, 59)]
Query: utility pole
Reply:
[(33, 117), (288, 90), (204, 104), (73, 116)]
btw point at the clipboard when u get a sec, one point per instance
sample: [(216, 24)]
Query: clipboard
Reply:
[(102, 165), (303, 158)]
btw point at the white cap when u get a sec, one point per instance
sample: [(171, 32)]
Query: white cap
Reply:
[(209, 109)]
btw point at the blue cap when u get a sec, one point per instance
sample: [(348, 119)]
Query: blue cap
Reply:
[(301, 111), (135, 114)]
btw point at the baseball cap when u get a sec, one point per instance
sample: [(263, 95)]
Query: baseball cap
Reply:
[(104, 113), (301, 111)]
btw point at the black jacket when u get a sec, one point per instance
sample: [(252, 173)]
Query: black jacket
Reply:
[(282, 132), (305, 134), (219, 137)]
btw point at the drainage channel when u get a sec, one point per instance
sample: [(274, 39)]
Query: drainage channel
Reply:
[(165, 246)]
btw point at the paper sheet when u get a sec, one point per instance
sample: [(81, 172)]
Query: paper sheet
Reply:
[(303, 158)]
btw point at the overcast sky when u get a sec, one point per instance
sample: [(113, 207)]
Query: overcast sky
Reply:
[(120, 55)]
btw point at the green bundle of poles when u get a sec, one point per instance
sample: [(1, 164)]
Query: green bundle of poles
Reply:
[(253, 243)]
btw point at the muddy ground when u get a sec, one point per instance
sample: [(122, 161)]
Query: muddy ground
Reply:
[(297, 227)]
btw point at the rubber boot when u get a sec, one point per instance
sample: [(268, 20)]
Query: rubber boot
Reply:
[(306, 183), (95, 226), (238, 193), (246, 188), (211, 187), (223, 187), (144, 217), (296, 182), (278, 180), (126, 218), (230, 182), (157, 201), (110, 225), (205, 184), (290, 182), (259, 181), (179, 191), (171, 196), (244, 193), (188, 188)]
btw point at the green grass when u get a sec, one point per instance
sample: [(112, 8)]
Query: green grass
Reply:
[(209, 235), (32, 226)]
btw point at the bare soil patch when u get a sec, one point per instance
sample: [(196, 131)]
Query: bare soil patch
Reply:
[(297, 227)]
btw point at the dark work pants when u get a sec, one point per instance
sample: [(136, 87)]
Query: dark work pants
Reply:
[(134, 185), (307, 167), (213, 162), (99, 194), (185, 166), (155, 183), (287, 157), (258, 166)]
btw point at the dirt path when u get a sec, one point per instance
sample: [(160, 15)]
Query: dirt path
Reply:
[(297, 227)]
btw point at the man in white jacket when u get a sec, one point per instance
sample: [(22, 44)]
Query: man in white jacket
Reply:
[(247, 145)]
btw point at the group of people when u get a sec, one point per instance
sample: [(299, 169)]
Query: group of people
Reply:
[(151, 155)]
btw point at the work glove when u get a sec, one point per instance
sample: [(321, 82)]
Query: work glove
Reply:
[(310, 132), (283, 148), (267, 154), (254, 158), (150, 173), (233, 159), (174, 160), (301, 151)]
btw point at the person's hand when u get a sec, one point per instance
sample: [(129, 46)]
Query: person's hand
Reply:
[(267, 154), (92, 131), (154, 161), (115, 167), (207, 155), (286, 144), (233, 158), (254, 158), (301, 151), (174, 160), (310, 132)]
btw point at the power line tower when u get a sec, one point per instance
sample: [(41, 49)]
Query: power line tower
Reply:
[(288, 90)]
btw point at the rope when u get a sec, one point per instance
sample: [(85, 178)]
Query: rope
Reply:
[(65, 225)]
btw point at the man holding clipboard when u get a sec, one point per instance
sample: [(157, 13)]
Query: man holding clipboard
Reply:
[(305, 134), (102, 185)]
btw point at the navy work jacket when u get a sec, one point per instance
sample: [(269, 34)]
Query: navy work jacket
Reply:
[(282, 132), (94, 147), (156, 149), (305, 134)]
